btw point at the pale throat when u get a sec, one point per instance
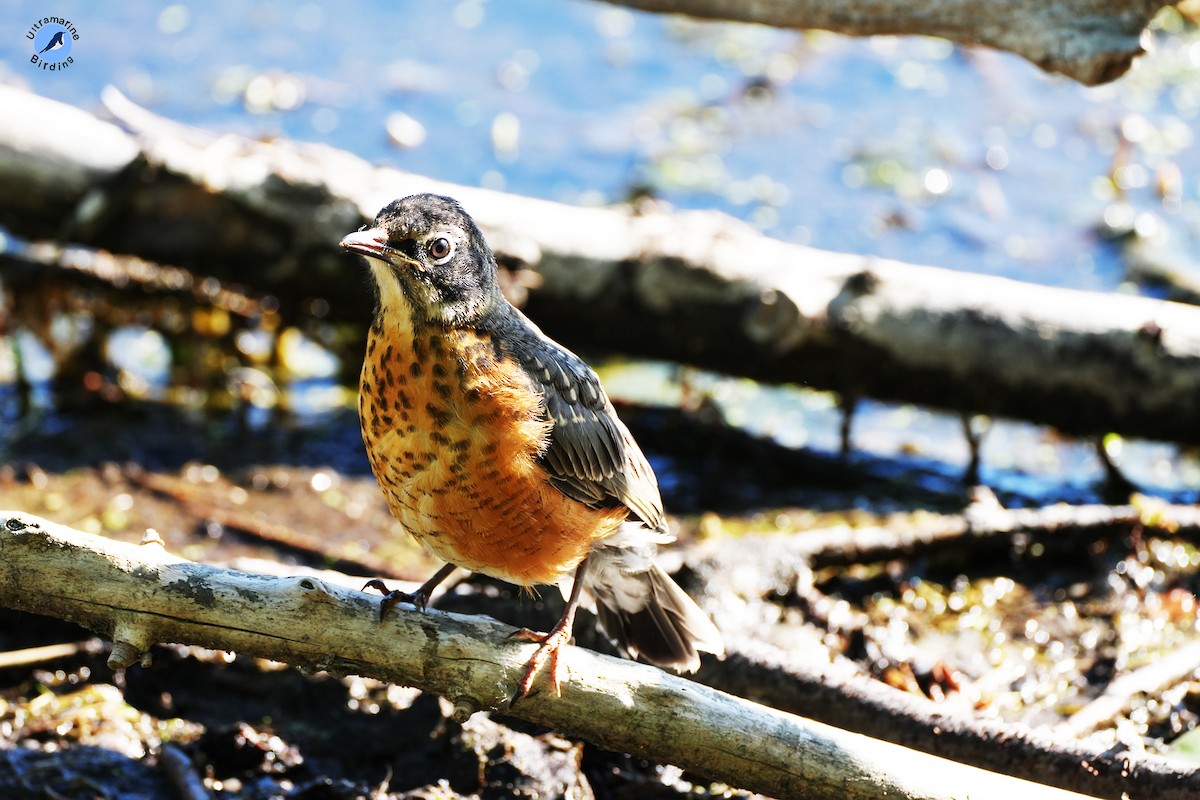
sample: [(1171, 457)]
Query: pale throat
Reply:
[(395, 308), (399, 309)]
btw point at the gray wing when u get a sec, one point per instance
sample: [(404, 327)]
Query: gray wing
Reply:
[(591, 457)]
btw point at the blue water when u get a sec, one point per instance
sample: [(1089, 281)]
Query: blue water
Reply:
[(905, 148)]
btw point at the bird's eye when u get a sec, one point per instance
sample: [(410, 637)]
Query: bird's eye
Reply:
[(439, 249)]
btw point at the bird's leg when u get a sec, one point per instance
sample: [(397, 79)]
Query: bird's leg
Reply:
[(551, 643), (419, 598)]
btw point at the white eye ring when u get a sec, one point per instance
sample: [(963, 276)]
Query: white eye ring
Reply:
[(440, 249)]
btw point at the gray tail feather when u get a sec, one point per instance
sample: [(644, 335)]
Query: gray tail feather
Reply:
[(650, 616)]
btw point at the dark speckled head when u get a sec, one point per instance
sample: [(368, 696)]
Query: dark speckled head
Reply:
[(425, 251)]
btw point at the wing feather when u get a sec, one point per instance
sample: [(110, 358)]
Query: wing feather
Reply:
[(591, 456)]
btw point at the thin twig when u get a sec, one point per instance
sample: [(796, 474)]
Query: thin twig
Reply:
[(48, 652), (1153, 678)]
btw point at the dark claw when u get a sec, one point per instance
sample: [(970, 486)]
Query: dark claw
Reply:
[(375, 584), (393, 597), (527, 635)]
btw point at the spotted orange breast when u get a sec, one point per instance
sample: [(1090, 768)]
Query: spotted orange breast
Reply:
[(453, 430)]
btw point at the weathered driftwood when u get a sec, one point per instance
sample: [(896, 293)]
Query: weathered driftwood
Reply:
[(1092, 41), (141, 595), (696, 287)]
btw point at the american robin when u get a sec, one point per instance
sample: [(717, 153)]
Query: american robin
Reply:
[(498, 449)]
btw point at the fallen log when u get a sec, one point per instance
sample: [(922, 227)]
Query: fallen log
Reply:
[(140, 595), (694, 287)]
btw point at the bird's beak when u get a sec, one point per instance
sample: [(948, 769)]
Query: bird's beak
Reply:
[(369, 243), (372, 243)]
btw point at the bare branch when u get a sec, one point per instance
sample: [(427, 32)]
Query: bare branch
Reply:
[(1153, 679), (1092, 41), (141, 595), (38, 655)]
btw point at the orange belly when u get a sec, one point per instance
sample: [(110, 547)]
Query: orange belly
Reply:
[(453, 431)]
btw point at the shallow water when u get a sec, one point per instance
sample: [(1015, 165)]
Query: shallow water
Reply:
[(909, 148), (905, 148)]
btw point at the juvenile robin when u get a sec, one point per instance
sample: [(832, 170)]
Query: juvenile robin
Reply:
[(498, 449)]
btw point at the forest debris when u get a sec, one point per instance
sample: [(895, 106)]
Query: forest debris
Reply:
[(838, 690), (799, 667)]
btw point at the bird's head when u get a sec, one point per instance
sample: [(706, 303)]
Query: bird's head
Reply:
[(425, 251)]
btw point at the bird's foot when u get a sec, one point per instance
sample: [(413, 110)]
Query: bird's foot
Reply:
[(550, 646), (393, 597)]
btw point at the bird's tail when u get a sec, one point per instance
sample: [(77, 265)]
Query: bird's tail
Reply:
[(644, 610)]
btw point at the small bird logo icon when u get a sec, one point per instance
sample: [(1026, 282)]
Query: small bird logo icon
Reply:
[(56, 41)]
